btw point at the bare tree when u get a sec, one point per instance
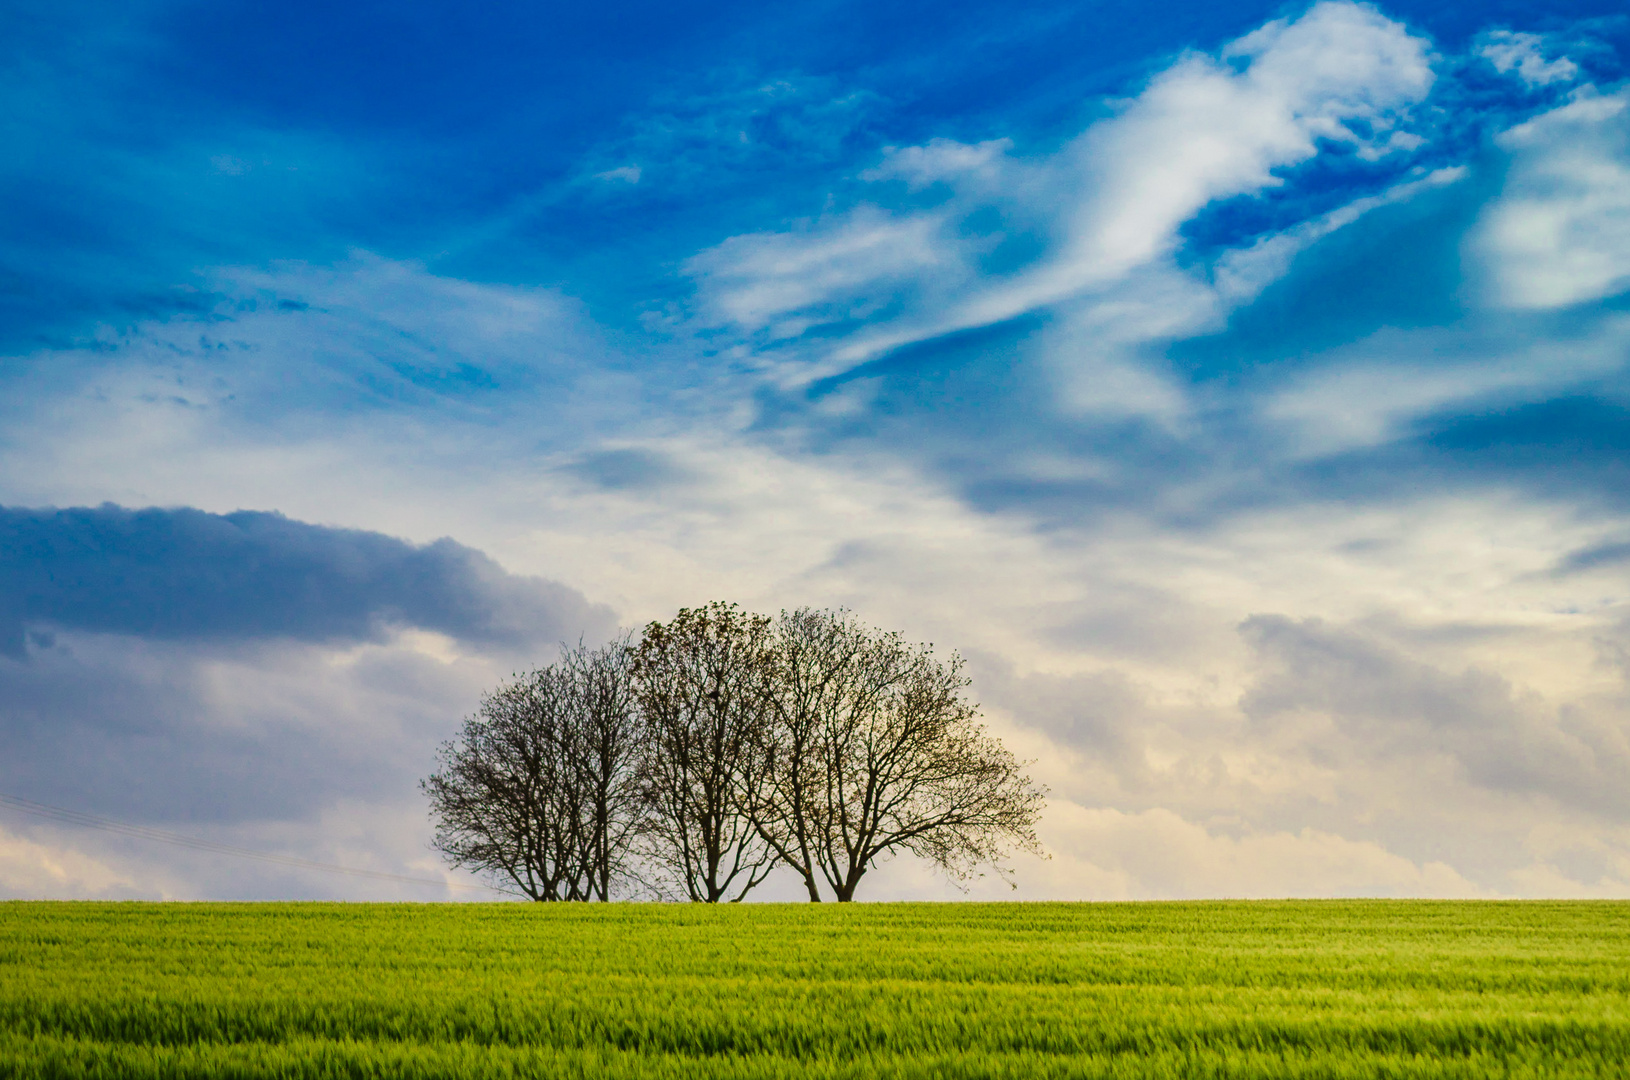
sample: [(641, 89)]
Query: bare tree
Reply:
[(722, 745), (539, 791), (874, 750), (604, 747), (701, 686), (815, 671)]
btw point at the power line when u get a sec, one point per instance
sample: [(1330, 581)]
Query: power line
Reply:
[(161, 836)]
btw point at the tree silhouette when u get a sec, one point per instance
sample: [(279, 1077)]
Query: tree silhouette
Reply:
[(722, 744)]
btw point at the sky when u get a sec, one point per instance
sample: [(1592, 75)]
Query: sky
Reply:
[(1243, 389)]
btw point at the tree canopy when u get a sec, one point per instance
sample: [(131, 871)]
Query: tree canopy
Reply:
[(691, 762)]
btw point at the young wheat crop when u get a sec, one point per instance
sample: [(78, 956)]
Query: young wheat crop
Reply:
[(1294, 989)]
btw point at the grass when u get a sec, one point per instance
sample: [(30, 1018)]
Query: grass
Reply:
[(1329, 989)]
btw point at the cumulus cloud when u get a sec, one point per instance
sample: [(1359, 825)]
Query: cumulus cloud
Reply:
[(1454, 724), (230, 735)]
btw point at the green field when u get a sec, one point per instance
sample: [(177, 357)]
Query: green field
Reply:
[(1305, 989)]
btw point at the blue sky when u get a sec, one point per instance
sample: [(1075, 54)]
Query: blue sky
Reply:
[(1242, 388)]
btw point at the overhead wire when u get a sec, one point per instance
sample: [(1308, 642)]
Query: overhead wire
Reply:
[(163, 836)]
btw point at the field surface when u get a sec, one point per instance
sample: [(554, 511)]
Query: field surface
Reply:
[(1303, 989)]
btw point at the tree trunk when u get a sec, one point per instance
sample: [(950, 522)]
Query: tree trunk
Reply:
[(846, 890)]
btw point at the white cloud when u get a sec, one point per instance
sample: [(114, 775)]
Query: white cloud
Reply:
[(785, 282), (628, 174), (1204, 131), (1371, 391), (1549, 880), (1210, 128), (1107, 854), (295, 362), (1357, 698), (31, 870), (377, 309), (1109, 206), (1559, 234), (1524, 54), (941, 160)]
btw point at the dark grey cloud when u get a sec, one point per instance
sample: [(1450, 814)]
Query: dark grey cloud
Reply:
[(235, 676), (183, 574)]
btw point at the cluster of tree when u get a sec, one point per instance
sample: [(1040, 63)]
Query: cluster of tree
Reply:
[(693, 761)]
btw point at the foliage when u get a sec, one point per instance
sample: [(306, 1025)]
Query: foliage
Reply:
[(1331, 989)]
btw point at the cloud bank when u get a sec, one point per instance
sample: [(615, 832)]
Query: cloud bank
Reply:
[(226, 671), (185, 575)]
